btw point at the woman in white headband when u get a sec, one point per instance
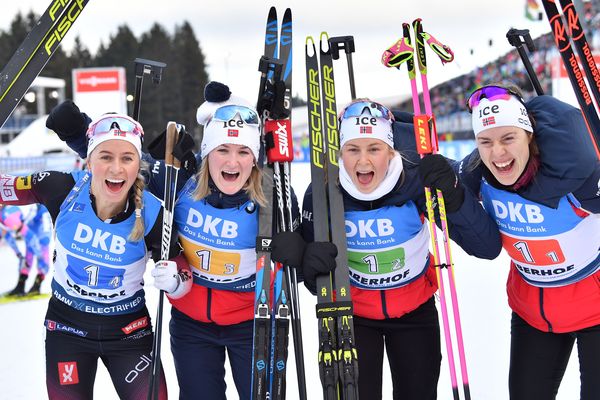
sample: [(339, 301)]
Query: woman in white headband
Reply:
[(105, 226), (539, 180), (391, 270)]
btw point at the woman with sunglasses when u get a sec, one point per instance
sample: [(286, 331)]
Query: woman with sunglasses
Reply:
[(391, 271), (105, 226), (537, 174)]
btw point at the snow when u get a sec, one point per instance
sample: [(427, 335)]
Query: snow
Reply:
[(484, 314)]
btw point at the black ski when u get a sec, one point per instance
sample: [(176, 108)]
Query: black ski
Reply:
[(271, 339), (286, 297), (262, 303), (575, 30), (338, 362), (35, 51), (563, 43)]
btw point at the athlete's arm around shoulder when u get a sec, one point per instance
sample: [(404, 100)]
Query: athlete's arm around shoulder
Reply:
[(49, 188)]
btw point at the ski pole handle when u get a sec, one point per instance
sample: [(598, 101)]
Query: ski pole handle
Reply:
[(424, 125), (337, 43), (145, 67), (518, 37), (347, 43)]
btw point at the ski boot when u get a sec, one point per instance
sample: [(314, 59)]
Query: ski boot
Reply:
[(35, 288), (19, 290)]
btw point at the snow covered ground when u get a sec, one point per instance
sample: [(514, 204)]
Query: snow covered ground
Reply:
[(484, 313)]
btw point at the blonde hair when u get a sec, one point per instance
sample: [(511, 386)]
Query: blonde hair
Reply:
[(253, 186), (139, 228)]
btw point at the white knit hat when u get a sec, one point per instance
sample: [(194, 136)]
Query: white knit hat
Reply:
[(500, 112), (233, 131)]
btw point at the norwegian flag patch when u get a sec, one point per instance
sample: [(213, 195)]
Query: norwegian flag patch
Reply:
[(488, 121), (366, 129), (233, 132)]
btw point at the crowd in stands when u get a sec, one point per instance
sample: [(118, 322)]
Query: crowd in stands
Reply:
[(448, 98)]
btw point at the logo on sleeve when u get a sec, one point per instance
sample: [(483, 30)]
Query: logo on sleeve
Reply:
[(67, 373), (23, 183), (7, 188)]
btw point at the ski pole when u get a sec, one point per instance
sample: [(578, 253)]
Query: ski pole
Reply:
[(446, 55), (144, 67), (171, 172), (347, 43), (518, 37), (403, 52), (426, 122)]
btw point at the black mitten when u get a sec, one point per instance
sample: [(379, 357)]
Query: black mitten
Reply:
[(67, 121), (287, 248), (183, 150), (70, 124), (436, 173), (319, 259)]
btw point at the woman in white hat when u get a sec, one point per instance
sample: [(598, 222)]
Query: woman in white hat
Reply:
[(217, 220)]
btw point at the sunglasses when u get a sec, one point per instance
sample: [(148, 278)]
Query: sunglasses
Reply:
[(227, 113), (108, 124), (491, 93), (375, 109)]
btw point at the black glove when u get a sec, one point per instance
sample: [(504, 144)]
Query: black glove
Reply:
[(288, 248), (319, 259), (436, 173), (70, 125), (183, 150)]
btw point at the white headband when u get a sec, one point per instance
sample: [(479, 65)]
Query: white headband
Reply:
[(366, 127), (500, 112)]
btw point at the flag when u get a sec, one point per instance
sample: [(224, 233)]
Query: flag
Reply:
[(489, 121), (532, 10), (366, 129), (233, 132)]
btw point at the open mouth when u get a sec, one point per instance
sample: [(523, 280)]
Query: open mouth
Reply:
[(504, 166), (229, 176), (364, 178), (114, 185)]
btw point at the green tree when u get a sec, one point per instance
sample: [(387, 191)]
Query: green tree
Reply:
[(191, 69), (121, 50)]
